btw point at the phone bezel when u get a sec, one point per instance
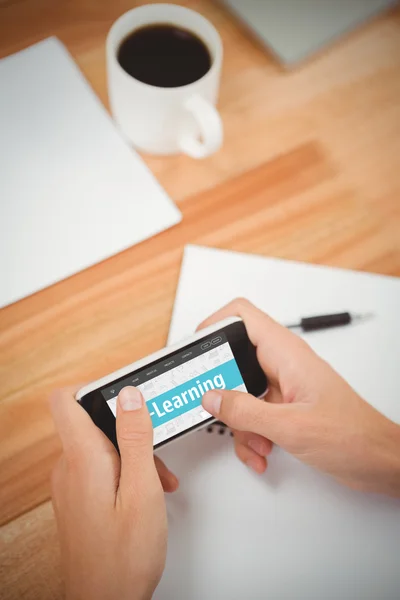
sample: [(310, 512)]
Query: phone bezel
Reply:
[(243, 350)]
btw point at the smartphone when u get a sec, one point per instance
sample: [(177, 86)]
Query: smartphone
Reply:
[(173, 381)]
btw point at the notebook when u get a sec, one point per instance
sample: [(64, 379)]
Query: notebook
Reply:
[(293, 533), (72, 192), (295, 29)]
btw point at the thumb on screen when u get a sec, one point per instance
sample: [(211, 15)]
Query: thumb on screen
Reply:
[(135, 442), (245, 412)]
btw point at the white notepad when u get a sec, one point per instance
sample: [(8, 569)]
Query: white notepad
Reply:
[(72, 192), (293, 533)]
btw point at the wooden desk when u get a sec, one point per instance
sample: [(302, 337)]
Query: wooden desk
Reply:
[(310, 170)]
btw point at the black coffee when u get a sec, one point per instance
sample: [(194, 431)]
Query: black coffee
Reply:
[(164, 56)]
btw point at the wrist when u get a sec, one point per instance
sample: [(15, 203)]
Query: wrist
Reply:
[(387, 458), (394, 457)]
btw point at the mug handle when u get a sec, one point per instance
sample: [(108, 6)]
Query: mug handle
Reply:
[(210, 129)]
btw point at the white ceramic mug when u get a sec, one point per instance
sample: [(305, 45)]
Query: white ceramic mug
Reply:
[(166, 120)]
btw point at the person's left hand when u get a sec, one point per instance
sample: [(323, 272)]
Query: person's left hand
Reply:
[(110, 510)]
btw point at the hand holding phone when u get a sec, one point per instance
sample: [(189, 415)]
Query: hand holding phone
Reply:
[(109, 507), (174, 380), (312, 412)]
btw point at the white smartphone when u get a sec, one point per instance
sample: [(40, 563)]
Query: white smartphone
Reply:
[(173, 381)]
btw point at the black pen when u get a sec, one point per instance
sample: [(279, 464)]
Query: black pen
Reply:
[(327, 321)]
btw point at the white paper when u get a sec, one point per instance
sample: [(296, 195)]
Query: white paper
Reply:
[(72, 192), (292, 533)]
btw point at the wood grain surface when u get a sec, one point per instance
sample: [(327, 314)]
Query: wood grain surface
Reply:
[(310, 170)]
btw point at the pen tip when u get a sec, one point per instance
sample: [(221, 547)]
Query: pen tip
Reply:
[(362, 316)]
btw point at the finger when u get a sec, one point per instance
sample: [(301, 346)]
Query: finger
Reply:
[(274, 342), (257, 443), (168, 480), (57, 478), (135, 442), (244, 412), (74, 426), (250, 458)]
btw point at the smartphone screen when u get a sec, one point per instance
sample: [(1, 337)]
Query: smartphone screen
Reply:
[(173, 387)]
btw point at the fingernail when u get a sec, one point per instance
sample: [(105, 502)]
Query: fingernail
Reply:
[(254, 464), (258, 446), (130, 399), (212, 402)]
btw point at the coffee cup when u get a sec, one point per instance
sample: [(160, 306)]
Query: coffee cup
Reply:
[(163, 68)]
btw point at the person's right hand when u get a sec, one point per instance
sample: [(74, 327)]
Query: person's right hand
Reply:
[(310, 411)]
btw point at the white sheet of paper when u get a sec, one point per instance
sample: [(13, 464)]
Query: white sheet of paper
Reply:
[(293, 533), (72, 192)]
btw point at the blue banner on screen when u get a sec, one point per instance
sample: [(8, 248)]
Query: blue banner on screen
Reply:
[(187, 396)]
